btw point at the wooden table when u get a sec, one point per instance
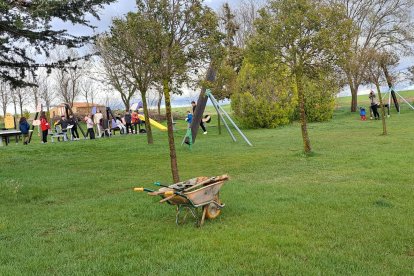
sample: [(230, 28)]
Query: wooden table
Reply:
[(6, 134)]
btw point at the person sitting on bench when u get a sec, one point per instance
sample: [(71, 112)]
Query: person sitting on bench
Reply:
[(121, 126)]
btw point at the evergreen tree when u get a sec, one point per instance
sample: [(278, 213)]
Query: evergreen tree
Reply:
[(25, 26)]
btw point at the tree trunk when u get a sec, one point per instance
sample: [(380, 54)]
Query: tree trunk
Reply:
[(389, 82), (89, 107), (126, 102), (384, 125), (15, 108), (201, 104), (36, 97), (173, 155), (159, 103), (354, 95), (146, 114), (303, 119), (21, 109), (126, 107)]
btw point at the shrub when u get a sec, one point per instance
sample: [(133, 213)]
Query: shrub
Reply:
[(319, 98), (319, 103), (263, 100)]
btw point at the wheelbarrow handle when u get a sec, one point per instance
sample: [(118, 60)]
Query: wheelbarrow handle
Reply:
[(143, 190), (165, 186), (160, 185)]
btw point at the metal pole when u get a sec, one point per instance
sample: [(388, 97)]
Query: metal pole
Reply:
[(221, 117), (404, 100), (228, 117)]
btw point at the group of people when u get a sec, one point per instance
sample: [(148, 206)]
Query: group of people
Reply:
[(373, 108), (64, 123), (127, 124)]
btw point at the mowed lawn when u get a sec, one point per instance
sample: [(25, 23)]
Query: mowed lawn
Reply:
[(69, 208)]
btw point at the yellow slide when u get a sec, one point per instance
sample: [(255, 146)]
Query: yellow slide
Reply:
[(153, 123)]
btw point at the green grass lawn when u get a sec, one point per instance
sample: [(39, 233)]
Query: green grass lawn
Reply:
[(69, 208)]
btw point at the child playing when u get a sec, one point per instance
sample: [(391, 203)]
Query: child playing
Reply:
[(44, 126), (89, 125), (363, 114), (189, 118)]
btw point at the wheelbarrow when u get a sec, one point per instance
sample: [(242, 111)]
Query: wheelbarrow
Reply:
[(190, 195)]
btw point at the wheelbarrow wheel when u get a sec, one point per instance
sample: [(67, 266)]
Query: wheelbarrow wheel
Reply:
[(212, 210)]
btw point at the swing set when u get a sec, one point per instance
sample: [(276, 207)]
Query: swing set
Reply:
[(192, 131)]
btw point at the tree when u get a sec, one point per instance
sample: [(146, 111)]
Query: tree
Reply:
[(246, 14), (14, 100), (182, 28), (21, 95), (130, 38), (26, 25), (374, 74), (226, 60), (263, 100), (4, 97), (46, 92), (410, 74), (302, 35), (378, 24), (114, 72), (68, 79), (89, 89)]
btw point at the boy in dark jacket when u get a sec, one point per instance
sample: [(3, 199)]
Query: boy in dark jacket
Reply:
[(24, 128), (64, 124), (72, 121)]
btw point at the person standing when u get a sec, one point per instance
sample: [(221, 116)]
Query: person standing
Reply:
[(135, 121), (189, 118), (44, 126), (128, 122), (89, 125), (201, 122), (97, 120), (24, 128), (374, 105), (72, 121)]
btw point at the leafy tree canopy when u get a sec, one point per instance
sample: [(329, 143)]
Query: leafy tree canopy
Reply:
[(25, 31)]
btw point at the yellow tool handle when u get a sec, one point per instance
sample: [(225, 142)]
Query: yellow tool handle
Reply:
[(169, 193), (138, 189)]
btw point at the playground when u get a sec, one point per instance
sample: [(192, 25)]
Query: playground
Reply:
[(69, 208)]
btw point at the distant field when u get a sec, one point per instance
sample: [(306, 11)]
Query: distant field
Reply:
[(69, 208)]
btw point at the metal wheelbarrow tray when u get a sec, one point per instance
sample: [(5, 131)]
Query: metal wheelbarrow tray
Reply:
[(189, 195)]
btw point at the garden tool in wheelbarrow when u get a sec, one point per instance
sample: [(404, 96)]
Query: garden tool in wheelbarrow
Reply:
[(203, 192)]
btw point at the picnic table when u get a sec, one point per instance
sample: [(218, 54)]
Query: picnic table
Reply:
[(6, 134)]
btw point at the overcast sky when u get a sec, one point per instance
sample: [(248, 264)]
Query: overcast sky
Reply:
[(119, 9), (122, 7)]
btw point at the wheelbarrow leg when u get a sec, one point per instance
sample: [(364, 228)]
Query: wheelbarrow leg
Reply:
[(177, 214), (180, 209), (187, 209), (203, 216)]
